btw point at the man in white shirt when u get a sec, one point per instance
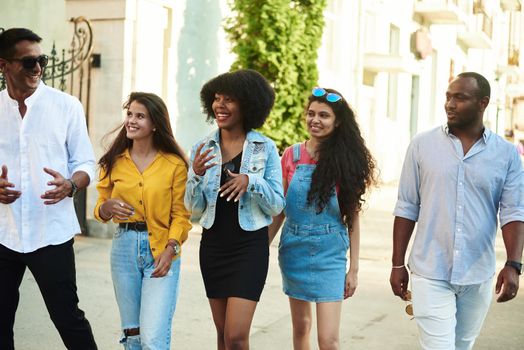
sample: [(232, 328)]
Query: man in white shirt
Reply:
[(45, 157)]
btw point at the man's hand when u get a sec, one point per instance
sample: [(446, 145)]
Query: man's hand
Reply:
[(508, 283), (63, 188), (235, 187), (399, 280), (7, 196)]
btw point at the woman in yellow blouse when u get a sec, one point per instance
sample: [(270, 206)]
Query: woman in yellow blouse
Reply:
[(142, 185)]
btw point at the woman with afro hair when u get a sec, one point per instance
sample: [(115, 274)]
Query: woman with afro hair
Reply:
[(325, 179), (234, 188)]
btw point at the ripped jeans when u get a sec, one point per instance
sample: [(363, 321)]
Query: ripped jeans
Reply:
[(144, 302)]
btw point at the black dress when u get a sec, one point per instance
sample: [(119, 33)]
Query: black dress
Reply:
[(233, 262)]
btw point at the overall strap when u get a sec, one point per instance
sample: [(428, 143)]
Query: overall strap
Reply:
[(296, 152)]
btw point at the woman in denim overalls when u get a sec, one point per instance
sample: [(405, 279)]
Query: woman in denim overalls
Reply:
[(325, 179)]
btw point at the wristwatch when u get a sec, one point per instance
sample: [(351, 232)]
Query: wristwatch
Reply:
[(516, 265), (74, 188), (175, 245)]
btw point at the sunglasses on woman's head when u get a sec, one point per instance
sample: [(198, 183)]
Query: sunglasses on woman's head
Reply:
[(30, 62), (330, 96)]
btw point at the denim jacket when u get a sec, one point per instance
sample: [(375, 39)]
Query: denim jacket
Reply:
[(264, 197)]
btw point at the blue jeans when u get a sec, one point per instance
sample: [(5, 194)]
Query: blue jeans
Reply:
[(143, 301)]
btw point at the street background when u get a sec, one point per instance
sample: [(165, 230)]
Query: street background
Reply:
[(372, 319)]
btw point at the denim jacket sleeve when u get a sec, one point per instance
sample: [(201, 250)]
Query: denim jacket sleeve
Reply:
[(266, 189), (194, 199)]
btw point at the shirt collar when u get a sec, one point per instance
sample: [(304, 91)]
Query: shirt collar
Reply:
[(29, 101), (251, 136), (486, 134)]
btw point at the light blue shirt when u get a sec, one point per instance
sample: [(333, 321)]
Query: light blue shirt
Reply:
[(455, 198), (264, 197)]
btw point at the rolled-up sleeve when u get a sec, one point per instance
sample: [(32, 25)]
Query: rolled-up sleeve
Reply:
[(512, 198), (81, 155), (408, 201)]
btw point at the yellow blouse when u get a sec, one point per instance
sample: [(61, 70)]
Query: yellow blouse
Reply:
[(157, 195)]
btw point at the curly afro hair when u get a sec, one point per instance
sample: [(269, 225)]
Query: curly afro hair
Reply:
[(252, 91)]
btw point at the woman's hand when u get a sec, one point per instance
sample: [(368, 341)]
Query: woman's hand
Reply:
[(163, 262), (116, 208), (351, 283), (235, 186), (200, 165)]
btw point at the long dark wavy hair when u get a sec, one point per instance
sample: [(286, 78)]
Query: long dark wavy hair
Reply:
[(163, 139), (343, 160)]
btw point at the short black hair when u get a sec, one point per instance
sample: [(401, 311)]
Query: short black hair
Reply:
[(253, 92), (484, 88), (10, 37)]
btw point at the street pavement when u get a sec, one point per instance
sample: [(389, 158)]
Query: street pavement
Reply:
[(372, 319)]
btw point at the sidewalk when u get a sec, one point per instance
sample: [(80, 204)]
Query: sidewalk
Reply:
[(372, 319)]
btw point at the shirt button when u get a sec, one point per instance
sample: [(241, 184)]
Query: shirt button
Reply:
[(241, 207), (153, 249), (252, 188), (460, 183), (254, 168), (140, 202), (140, 184), (150, 234)]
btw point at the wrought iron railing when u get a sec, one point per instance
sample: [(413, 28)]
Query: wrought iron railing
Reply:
[(64, 65)]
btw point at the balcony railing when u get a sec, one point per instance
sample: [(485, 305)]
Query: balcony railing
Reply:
[(442, 11)]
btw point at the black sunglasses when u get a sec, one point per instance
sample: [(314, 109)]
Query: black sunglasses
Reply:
[(30, 62)]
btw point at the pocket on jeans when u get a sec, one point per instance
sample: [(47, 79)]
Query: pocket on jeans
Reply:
[(344, 237), (118, 233)]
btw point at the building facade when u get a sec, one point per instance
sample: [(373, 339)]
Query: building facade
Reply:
[(392, 59)]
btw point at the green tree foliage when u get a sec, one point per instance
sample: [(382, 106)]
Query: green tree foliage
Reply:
[(280, 39)]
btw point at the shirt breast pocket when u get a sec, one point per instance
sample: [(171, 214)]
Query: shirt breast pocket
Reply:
[(257, 166), (488, 183)]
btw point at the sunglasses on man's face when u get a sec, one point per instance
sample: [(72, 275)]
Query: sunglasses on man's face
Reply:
[(330, 96), (30, 62)]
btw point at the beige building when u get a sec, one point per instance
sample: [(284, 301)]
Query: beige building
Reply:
[(392, 59)]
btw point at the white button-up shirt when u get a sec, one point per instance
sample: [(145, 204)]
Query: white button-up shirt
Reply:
[(52, 134), (455, 199)]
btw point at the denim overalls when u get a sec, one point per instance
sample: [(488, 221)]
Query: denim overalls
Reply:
[(312, 249)]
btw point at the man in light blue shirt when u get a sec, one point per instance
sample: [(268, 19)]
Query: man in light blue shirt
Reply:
[(454, 181)]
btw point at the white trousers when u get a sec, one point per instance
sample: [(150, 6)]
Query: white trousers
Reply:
[(449, 316)]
